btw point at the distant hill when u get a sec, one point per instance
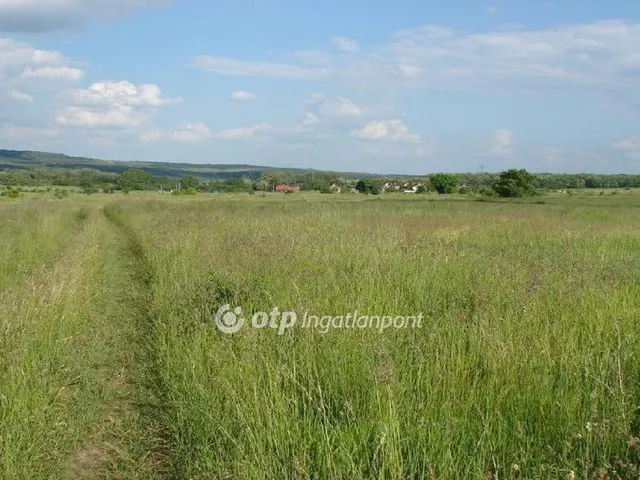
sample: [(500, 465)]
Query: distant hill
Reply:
[(17, 159)]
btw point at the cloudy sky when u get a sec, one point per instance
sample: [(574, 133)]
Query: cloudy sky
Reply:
[(410, 86)]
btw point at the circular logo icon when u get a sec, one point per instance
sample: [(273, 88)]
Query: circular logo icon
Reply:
[(229, 321)]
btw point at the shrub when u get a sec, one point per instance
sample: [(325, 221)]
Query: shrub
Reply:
[(60, 193), (444, 182), (487, 192), (185, 191), (368, 186), (516, 183), (11, 193)]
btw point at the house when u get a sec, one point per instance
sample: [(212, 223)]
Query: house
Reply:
[(286, 188)]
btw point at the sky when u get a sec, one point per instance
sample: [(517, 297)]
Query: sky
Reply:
[(409, 86)]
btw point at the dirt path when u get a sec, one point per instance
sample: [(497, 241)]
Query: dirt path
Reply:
[(125, 442)]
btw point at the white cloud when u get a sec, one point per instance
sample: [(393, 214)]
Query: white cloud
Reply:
[(191, 132), (14, 132), (122, 93), (122, 116), (20, 96), (346, 44), (242, 96), (593, 55), (600, 56), (17, 55), (27, 72), (313, 57), (230, 66), (113, 104), (153, 135), (20, 62), (53, 73), (306, 125), (185, 132), (630, 146), (335, 107), (244, 133), (50, 15), (387, 129), (490, 10), (502, 142)]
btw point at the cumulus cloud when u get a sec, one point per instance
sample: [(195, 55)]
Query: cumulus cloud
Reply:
[(19, 96), (230, 66), (244, 133), (346, 44), (242, 96), (185, 132), (113, 104), (27, 72), (387, 130), (51, 15), (310, 119), (630, 146), (502, 142), (122, 116), (191, 132), (335, 106), (19, 61), (53, 73)]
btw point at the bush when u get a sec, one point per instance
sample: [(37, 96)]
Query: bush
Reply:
[(516, 183), (185, 191), (487, 192), (368, 186), (444, 182), (60, 193), (11, 193)]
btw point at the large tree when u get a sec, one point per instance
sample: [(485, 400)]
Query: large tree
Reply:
[(444, 182), (368, 185), (516, 183)]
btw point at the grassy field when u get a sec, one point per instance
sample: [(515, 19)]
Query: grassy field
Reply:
[(526, 364)]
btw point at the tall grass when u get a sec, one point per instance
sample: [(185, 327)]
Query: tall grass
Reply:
[(31, 232), (526, 365), (71, 360)]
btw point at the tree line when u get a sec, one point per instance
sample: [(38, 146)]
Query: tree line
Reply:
[(92, 180)]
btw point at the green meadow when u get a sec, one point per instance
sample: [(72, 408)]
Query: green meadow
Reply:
[(526, 364)]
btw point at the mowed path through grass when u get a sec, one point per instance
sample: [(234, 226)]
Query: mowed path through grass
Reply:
[(75, 398)]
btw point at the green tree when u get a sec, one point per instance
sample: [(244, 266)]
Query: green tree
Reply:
[(444, 182), (368, 186), (189, 181), (135, 179), (516, 183)]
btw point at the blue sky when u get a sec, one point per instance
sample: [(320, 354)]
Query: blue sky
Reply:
[(387, 87)]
